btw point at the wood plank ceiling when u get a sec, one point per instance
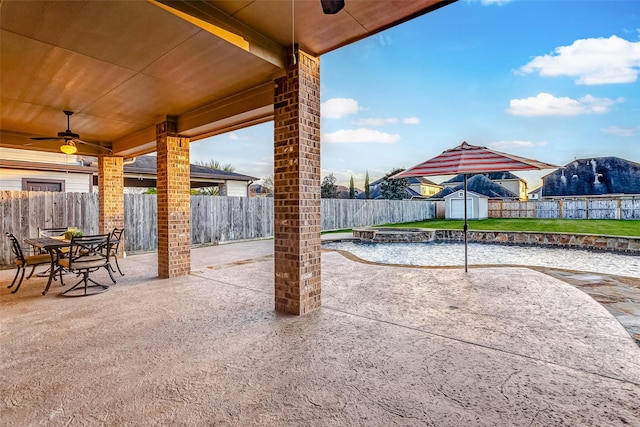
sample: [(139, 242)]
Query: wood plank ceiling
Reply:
[(123, 66)]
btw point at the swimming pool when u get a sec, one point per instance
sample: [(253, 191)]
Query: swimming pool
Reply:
[(452, 254)]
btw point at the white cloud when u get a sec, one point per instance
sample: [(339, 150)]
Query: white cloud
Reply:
[(620, 131), (386, 121), (593, 61), (502, 145), (376, 122), (545, 104), (360, 135), (336, 108), (384, 39), (235, 137), (411, 121)]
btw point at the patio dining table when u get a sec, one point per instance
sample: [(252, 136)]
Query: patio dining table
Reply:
[(53, 246)]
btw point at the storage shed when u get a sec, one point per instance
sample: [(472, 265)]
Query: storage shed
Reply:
[(477, 205)]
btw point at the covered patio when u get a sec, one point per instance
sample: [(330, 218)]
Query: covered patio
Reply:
[(390, 346), (137, 77)]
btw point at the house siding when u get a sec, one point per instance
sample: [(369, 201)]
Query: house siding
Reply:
[(11, 179), (237, 188)]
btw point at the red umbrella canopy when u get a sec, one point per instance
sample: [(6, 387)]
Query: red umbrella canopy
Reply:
[(470, 159)]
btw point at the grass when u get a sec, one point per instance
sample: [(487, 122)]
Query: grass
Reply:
[(584, 226)]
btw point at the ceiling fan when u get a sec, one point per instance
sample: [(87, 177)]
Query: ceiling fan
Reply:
[(331, 7), (70, 139)]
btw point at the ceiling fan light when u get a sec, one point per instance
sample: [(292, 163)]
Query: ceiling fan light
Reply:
[(68, 148)]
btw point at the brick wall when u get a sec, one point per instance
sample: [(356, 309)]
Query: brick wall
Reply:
[(110, 194), (297, 219), (174, 216)]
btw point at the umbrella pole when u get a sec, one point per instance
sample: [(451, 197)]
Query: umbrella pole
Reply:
[(465, 222)]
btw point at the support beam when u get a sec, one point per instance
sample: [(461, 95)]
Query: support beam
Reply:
[(110, 194), (206, 16), (174, 202), (297, 187)]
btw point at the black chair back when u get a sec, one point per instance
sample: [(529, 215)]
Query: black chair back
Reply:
[(89, 250), (16, 250), (116, 239)]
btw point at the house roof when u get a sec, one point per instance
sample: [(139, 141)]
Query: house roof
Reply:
[(123, 66), (494, 176), (482, 185), (469, 193), (592, 177), (148, 165)]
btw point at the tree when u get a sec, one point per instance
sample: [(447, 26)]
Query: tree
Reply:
[(394, 189), (352, 190), (366, 186), (329, 189), (214, 164)]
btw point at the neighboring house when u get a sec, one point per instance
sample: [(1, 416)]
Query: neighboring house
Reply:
[(535, 194), (479, 184), (259, 190), (142, 173), (511, 182), (418, 188), (602, 176), (25, 170), (343, 192), (424, 187)]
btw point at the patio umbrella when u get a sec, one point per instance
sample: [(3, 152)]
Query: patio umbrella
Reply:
[(471, 159)]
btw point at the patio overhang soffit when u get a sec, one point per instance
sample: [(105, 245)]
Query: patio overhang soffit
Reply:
[(123, 66)]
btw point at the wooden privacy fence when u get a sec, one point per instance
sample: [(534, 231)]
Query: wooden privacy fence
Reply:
[(348, 213), (619, 208), (213, 219)]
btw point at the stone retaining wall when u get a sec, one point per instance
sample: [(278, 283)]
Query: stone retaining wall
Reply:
[(569, 240)]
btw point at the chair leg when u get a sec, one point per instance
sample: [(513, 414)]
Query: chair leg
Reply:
[(20, 282), (14, 278), (32, 271), (85, 281), (118, 265), (109, 268)]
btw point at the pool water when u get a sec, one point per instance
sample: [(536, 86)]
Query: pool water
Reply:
[(452, 254)]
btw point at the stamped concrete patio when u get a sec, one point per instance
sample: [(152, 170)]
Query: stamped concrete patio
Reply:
[(390, 346)]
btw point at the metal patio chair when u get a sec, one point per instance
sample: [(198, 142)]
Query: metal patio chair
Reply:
[(114, 245), (87, 254), (23, 261)]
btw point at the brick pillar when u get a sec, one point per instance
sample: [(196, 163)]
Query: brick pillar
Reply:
[(297, 187), (110, 195), (174, 203)]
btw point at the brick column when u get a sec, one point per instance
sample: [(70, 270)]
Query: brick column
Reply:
[(297, 187), (110, 195), (174, 203)]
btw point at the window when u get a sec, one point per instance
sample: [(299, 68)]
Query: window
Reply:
[(32, 184)]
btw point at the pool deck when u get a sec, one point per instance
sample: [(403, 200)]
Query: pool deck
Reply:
[(618, 294), (390, 346)]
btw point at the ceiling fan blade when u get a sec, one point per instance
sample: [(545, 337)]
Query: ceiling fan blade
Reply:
[(46, 138), (91, 144)]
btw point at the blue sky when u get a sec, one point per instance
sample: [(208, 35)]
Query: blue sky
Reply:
[(551, 80)]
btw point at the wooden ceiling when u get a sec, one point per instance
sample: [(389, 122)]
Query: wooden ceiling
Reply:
[(123, 66)]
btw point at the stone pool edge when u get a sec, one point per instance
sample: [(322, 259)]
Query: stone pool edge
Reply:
[(624, 244)]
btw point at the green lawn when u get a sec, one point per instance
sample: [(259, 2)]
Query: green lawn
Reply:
[(585, 226)]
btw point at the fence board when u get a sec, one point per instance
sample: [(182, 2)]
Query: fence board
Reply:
[(219, 219)]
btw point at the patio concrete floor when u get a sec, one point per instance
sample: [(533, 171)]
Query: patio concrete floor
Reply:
[(390, 346)]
